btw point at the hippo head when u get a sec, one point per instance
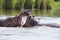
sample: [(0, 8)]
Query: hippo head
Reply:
[(26, 12), (23, 16)]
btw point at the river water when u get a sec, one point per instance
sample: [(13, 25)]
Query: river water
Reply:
[(34, 33)]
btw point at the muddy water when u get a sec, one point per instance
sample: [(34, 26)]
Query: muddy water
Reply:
[(35, 33)]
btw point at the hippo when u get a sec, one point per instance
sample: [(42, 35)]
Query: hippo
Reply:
[(14, 21), (31, 22)]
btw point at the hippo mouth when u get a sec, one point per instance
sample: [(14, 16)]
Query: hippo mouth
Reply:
[(23, 20)]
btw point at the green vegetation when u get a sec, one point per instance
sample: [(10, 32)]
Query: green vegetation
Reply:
[(38, 7), (29, 4)]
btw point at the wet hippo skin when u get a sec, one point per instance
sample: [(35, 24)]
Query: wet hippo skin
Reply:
[(31, 22), (14, 21)]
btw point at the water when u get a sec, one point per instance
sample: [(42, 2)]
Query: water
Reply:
[(35, 33), (48, 13)]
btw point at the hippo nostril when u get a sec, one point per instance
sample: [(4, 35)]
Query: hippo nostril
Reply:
[(27, 11)]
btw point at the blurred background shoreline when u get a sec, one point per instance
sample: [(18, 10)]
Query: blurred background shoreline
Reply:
[(38, 7)]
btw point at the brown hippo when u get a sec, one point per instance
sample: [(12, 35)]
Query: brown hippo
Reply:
[(14, 21), (31, 22)]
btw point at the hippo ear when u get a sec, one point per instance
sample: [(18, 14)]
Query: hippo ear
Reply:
[(33, 16), (18, 16)]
